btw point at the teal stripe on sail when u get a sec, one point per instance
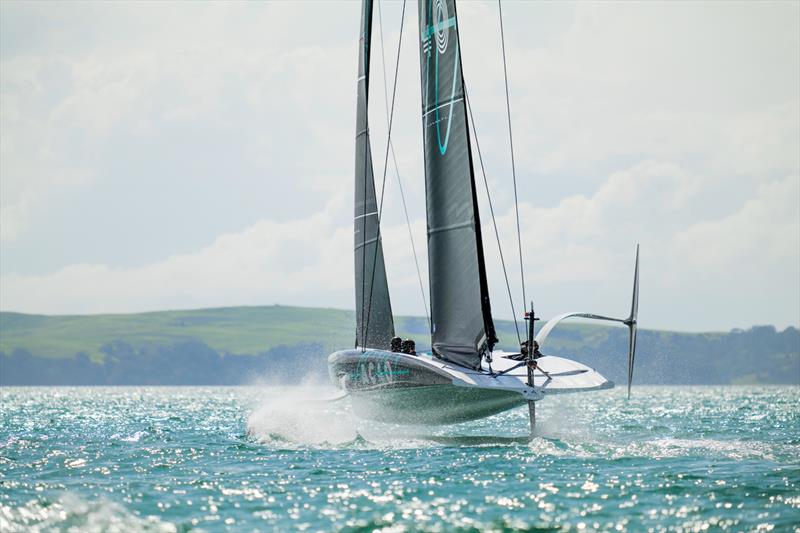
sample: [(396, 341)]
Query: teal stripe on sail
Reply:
[(443, 146)]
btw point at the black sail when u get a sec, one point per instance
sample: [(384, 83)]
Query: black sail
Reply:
[(374, 323), (461, 319)]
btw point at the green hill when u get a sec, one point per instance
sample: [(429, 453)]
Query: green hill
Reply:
[(222, 345), (239, 330), (234, 330)]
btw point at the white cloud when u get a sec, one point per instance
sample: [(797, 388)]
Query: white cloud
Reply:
[(579, 255), (111, 79), (710, 84), (762, 236), (12, 219), (676, 125), (270, 262)]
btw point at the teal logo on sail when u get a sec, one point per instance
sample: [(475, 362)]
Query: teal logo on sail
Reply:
[(439, 31), (443, 22)]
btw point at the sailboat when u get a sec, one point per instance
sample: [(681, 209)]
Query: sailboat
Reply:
[(463, 377)]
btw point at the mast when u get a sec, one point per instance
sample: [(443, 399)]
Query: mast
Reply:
[(374, 323), (461, 317)]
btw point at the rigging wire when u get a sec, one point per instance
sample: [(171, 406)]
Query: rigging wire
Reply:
[(386, 162), (491, 209), (397, 174), (511, 144)]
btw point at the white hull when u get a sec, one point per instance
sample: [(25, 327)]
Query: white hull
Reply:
[(421, 389), (565, 376)]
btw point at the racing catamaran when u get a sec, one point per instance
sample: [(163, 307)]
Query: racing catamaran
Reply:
[(463, 377)]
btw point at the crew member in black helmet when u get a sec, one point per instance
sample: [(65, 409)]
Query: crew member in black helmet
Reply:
[(409, 347), (397, 344), (523, 349), (536, 353)]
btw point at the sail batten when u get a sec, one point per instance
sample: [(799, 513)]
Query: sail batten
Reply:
[(462, 326), (374, 322)]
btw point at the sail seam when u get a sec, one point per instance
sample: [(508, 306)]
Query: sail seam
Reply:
[(365, 215), (441, 105), (366, 243), (451, 227)]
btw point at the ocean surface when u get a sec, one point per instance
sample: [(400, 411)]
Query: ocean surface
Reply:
[(274, 458)]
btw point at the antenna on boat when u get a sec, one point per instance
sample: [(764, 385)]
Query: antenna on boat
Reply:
[(631, 322)]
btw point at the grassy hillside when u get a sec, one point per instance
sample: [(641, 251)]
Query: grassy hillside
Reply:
[(236, 330), (136, 348), (240, 330)]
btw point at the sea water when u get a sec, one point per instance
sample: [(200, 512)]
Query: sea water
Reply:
[(281, 458)]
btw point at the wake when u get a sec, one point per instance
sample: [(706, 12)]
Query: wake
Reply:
[(304, 415)]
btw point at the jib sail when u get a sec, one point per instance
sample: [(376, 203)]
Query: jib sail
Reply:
[(374, 323)]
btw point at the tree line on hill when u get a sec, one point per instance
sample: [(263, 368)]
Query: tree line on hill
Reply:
[(758, 355)]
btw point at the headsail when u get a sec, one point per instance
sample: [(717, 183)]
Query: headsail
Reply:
[(460, 312), (374, 323)]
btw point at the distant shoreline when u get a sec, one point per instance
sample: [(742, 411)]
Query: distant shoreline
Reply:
[(288, 345)]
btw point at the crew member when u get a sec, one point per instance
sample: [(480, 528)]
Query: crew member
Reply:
[(397, 344), (536, 353)]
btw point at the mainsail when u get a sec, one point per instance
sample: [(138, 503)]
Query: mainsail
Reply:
[(374, 323), (461, 319)]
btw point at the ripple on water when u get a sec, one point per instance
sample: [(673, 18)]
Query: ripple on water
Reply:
[(73, 513), (161, 459)]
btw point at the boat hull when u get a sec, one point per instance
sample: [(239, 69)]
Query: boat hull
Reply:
[(432, 405), (423, 390), (404, 389)]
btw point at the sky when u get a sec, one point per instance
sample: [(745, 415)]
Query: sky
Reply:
[(182, 155)]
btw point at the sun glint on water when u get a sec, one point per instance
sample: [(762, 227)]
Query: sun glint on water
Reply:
[(160, 459)]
